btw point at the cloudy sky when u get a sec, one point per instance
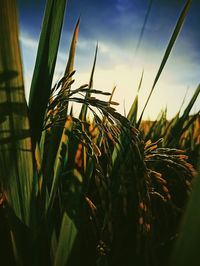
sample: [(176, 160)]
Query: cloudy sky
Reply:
[(116, 26)]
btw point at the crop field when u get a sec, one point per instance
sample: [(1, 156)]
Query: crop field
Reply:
[(98, 188)]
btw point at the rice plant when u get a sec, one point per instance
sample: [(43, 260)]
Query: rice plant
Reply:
[(86, 190)]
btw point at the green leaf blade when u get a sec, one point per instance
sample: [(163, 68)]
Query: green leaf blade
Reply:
[(171, 43), (45, 64), (16, 159)]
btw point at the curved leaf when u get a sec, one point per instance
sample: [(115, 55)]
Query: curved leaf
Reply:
[(45, 64)]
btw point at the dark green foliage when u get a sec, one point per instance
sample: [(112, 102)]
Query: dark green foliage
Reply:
[(45, 64)]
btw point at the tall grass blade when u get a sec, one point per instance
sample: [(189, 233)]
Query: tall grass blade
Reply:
[(191, 103), (60, 162), (72, 53), (183, 100), (45, 64), (83, 112), (132, 115), (56, 132), (175, 132), (112, 94), (67, 237), (174, 36), (158, 127), (16, 161), (144, 26)]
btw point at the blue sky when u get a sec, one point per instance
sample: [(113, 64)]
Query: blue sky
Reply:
[(116, 25)]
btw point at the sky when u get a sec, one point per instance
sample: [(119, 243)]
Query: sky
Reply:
[(116, 26)]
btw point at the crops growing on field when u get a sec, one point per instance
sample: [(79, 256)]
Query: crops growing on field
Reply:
[(100, 189)]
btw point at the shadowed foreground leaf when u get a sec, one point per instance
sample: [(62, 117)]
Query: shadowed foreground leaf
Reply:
[(45, 64), (68, 233), (16, 162), (186, 250)]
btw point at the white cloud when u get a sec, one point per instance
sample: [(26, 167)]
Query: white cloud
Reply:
[(84, 43), (123, 5), (28, 42), (125, 73), (169, 91), (104, 48)]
